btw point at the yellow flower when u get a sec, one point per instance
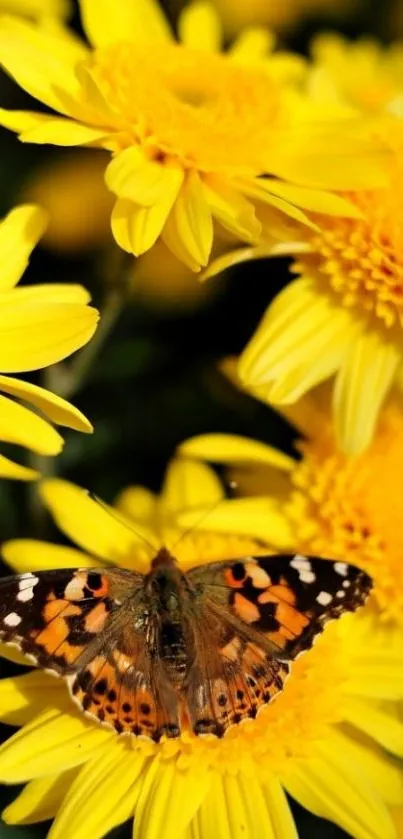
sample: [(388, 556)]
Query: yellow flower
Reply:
[(190, 131), (37, 9), (280, 14), (41, 324), (363, 74), (324, 503), (325, 740), (343, 315)]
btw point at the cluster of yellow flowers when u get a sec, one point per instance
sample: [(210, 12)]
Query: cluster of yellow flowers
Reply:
[(219, 158)]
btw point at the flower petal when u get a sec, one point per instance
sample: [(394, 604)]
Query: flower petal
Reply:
[(88, 523), (187, 484), (189, 228), (46, 293), (23, 697), (40, 799), (42, 61), (23, 427), (139, 504), (301, 341), (360, 170), (103, 795), (381, 726), (11, 653), (252, 44), (54, 407), (231, 209), (233, 449), (279, 809), (52, 740), (62, 132), (257, 517), (199, 27), (19, 233), (110, 21), (133, 176), (362, 385), (315, 200), (14, 471), (35, 334), (169, 798), (31, 554), (137, 228)]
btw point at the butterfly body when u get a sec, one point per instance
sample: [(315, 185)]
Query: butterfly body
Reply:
[(152, 654)]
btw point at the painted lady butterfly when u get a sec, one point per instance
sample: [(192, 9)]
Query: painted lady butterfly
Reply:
[(145, 654)]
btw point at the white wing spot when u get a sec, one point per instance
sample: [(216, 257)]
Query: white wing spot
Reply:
[(300, 563), (341, 568), (324, 598), (12, 619), (307, 576), (346, 584), (25, 594)]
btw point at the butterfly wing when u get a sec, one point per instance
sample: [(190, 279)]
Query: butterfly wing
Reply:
[(90, 626), (254, 614)]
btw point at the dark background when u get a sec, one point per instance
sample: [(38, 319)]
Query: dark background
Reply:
[(156, 380)]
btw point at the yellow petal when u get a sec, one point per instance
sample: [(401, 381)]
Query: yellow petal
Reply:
[(315, 200), (169, 798), (237, 257), (301, 341), (259, 518), (378, 724), (188, 483), (45, 293), (53, 740), (110, 21), (56, 409), (62, 132), (252, 44), (136, 229), (189, 228), (14, 471), (23, 427), (368, 170), (132, 176), (384, 772), (23, 697), (199, 27), (42, 62), (33, 555), (11, 653), (88, 523), (231, 209), (258, 191), (230, 448), (139, 504), (35, 334), (363, 382), (19, 233), (108, 781), (279, 809), (40, 799)]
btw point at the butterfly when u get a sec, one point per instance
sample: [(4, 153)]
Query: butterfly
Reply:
[(150, 654)]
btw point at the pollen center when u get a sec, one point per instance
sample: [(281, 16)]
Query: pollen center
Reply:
[(211, 114), (362, 260), (352, 510)]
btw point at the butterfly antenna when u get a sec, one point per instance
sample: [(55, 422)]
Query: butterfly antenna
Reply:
[(232, 485), (128, 525)]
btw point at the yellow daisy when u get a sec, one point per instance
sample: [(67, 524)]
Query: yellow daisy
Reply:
[(192, 133), (41, 324), (327, 740)]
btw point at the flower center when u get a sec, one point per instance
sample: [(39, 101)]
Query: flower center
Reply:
[(363, 260), (204, 110), (353, 509)]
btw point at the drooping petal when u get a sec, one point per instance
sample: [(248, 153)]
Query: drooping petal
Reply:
[(42, 61), (362, 384), (88, 523), (199, 27), (301, 341), (137, 228), (231, 448), (23, 697), (110, 21), (14, 471), (252, 44), (19, 233), (189, 484), (36, 334), (315, 200), (62, 132), (33, 555), (53, 739), (169, 798), (103, 795), (133, 176), (54, 407), (20, 426), (40, 799), (234, 212), (189, 228)]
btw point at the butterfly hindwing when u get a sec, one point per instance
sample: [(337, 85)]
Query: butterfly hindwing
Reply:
[(287, 599)]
